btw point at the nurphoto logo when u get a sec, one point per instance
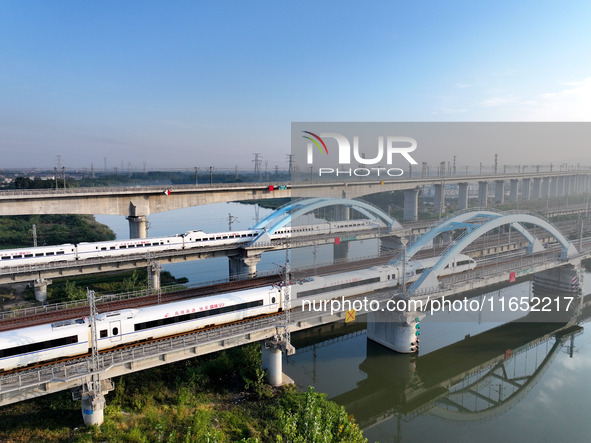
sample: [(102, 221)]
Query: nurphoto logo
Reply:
[(388, 148)]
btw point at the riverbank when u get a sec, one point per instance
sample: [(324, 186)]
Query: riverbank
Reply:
[(217, 398)]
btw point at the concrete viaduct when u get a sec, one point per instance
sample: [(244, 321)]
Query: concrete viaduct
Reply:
[(137, 203)]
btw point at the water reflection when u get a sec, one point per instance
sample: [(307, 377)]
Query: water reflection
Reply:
[(474, 380)]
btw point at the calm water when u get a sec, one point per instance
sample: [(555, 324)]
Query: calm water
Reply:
[(477, 380), (471, 381)]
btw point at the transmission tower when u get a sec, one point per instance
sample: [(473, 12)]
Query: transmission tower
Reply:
[(290, 165), (257, 165)]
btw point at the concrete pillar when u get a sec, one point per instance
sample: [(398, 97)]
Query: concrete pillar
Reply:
[(342, 213), (499, 191), (560, 191), (93, 407), (554, 187), (439, 200), (462, 196), (579, 185), (138, 226), (243, 266), (154, 276), (392, 245), (341, 251), (398, 331), (482, 194), (514, 190), (566, 185), (526, 189), (537, 188), (40, 288), (411, 204), (571, 185), (565, 279), (272, 363), (545, 187)]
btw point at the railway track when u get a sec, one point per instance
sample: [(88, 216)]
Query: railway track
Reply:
[(137, 302)]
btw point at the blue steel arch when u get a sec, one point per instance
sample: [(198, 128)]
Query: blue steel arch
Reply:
[(474, 231), (284, 215)]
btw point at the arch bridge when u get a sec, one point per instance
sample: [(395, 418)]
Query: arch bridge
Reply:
[(287, 214), (475, 224)]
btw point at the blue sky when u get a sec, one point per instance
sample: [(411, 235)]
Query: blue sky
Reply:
[(183, 84)]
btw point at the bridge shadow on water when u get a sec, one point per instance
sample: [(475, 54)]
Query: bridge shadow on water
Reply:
[(475, 379)]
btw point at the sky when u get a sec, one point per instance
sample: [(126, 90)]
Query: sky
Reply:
[(179, 84)]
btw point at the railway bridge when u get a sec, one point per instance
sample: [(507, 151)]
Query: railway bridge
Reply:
[(390, 331)]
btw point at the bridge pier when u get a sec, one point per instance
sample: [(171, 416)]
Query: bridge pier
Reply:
[(93, 407), (341, 252), (272, 361), (499, 191), (462, 196), (482, 194), (392, 245), (514, 190), (411, 204), (554, 187), (40, 287), (398, 331), (526, 189), (565, 279), (154, 269), (546, 187), (537, 186), (243, 266), (560, 186), (439, 200), (138, 226)]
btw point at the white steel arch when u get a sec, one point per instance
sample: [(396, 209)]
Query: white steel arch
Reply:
[(428, 279)]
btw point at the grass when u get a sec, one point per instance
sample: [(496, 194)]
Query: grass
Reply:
[(198, 400)]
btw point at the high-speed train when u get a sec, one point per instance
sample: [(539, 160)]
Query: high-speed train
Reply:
[(69, 338), (188, 240)]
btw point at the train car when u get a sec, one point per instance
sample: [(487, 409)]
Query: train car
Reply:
[(69, 338), (196, 239), (35, 344), (345, 284), (461, 263), (40, 254), (126, 247)]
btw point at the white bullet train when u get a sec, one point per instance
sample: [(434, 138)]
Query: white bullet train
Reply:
[(189, 240), (53, 341)]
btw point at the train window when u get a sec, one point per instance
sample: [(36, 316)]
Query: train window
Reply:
[(104, 248), (40, 254), (49, 253), (115, 331), (32, 347), (112, 247), (130, 246), (389, 277), (272, 299), (6, 257), (28, 255), (195, 315), (103, 333), (122, 247), (60, 253)]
